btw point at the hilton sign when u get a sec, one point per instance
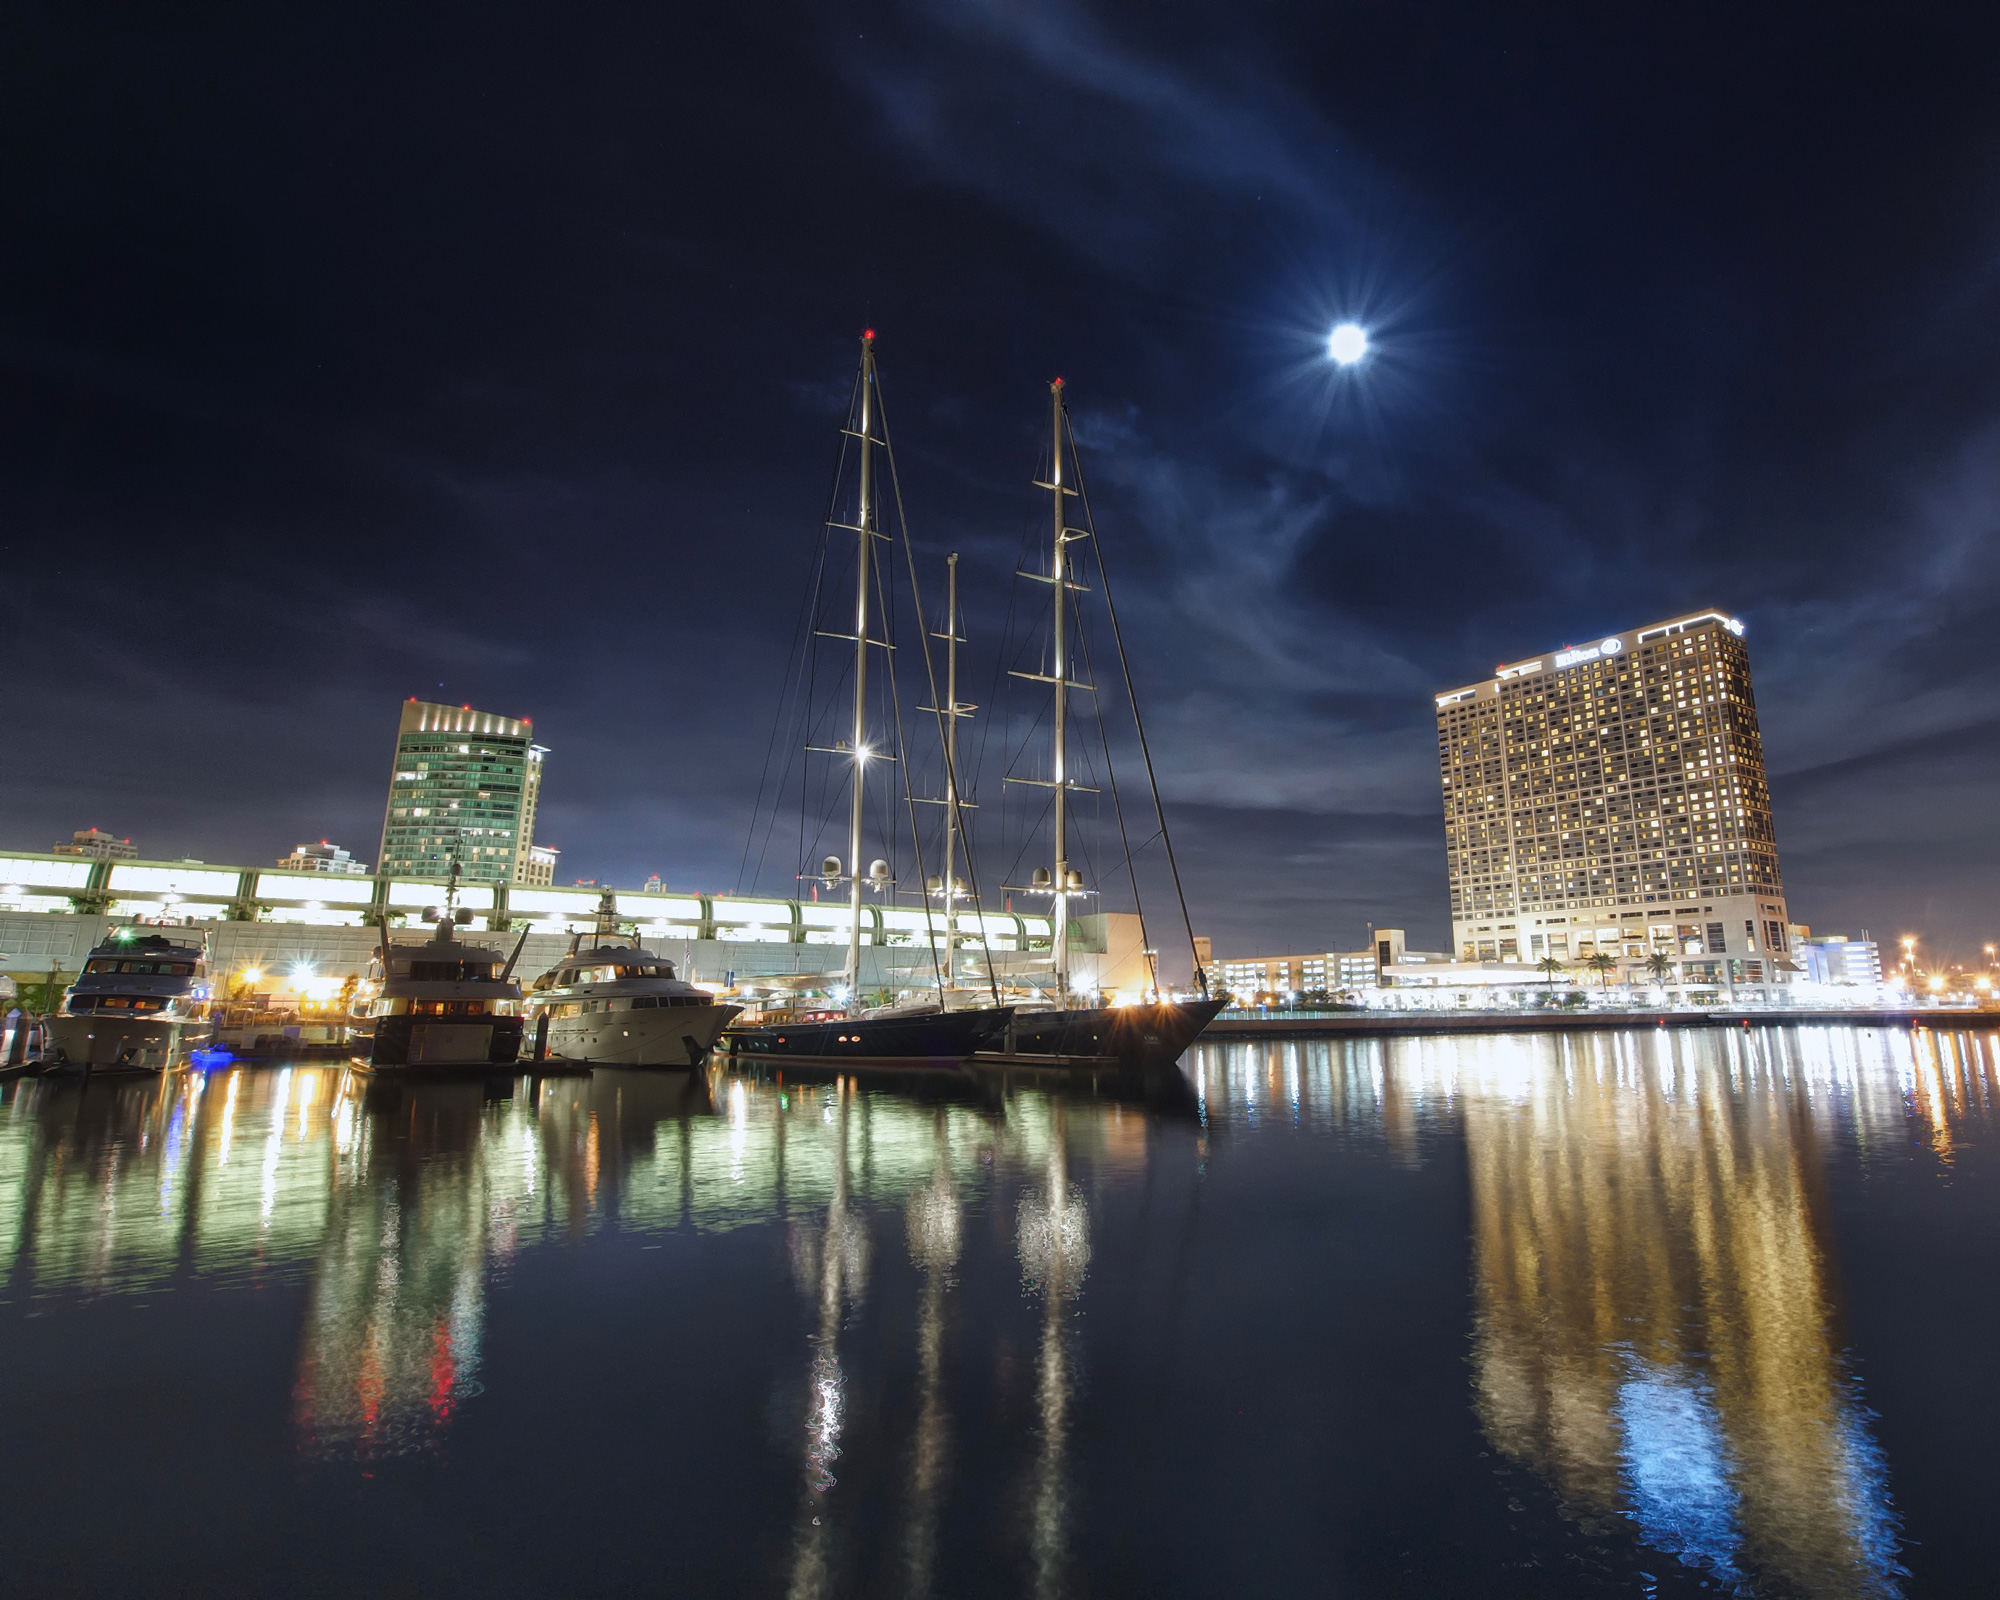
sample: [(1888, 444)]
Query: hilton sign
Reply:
[(1589, 652)]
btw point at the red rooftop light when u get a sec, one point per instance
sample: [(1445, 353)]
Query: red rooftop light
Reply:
[(867, 333)]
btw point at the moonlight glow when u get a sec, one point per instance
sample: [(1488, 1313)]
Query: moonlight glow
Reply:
[(1347, 344)]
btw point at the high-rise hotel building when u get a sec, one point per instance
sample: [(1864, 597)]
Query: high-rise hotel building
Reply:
[(465, 780), (1610, 798)]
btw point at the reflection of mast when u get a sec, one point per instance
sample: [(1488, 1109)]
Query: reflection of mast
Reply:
[(1054, 1243), (833, 1267), (932, 1220), (1654, 1318)]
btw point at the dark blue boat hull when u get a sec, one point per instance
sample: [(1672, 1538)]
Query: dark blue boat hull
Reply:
[(948, 1036)]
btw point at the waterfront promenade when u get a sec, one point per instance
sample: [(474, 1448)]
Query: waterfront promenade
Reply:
[(1391, 1024)]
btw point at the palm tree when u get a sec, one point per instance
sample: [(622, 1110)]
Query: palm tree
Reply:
[(1550, 967), (1661, 966), (1603, 965)]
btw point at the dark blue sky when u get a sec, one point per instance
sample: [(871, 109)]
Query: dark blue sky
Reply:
[(493, 354)]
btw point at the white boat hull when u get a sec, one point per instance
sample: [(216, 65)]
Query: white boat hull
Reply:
[(653, 1038), (118, 1044)]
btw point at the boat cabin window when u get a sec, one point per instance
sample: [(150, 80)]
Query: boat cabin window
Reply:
[(447, 1008), (613, 974), (120, 1002), (451, 971), (170, 969)]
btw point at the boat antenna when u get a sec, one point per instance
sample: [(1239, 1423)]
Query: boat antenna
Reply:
[(1139, 725)]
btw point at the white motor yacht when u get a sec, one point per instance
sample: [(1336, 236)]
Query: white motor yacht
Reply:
[(616, 1004), (139, 1003)]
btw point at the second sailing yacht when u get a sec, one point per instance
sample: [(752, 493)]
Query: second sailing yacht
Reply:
[(924, 1031), (1153, 1033)]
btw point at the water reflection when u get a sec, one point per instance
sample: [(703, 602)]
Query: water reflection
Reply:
[(1657, 1319), (115, 1187), (830, 1261), (392, 1336), (931, 1222), (1657, 1330), (1054, 1243)]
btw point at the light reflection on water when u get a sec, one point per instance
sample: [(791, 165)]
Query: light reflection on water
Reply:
[(1656, 1327)]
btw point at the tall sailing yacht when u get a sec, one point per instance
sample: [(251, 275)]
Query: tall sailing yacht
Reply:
[(925, 1031), (1153, 1033)]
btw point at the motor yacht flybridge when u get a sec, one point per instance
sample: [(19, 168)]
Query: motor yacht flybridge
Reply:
[(1063, 1023), (920, 1029)]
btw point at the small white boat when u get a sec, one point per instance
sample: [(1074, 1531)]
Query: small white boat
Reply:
[(616, 1004)]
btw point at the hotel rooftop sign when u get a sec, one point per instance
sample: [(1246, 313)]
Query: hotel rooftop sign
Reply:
[(1582, 654)]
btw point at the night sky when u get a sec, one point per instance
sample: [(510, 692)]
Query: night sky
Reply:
[(494, 354)]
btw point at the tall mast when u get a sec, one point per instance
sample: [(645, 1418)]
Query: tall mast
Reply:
[(952, 714), (1059, 586), (863, 572)]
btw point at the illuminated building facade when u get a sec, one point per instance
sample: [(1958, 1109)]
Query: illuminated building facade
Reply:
[(1252, 979), (540, 869), (465, 781), (1610, 798), (1843, 962)]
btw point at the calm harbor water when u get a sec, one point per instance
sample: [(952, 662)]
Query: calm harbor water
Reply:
[(1595, 1314)]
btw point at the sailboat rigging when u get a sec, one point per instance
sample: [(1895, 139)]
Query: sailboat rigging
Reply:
[(927, 1030), (1155, 1031)]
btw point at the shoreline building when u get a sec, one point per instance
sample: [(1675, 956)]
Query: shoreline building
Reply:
[(98, 845), (1294, 976), (539, 871), (322, 857), (1610, 798), (463, 779), (1840, 962)]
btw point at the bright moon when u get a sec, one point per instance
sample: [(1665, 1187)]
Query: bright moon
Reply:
[(1347, 344)]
